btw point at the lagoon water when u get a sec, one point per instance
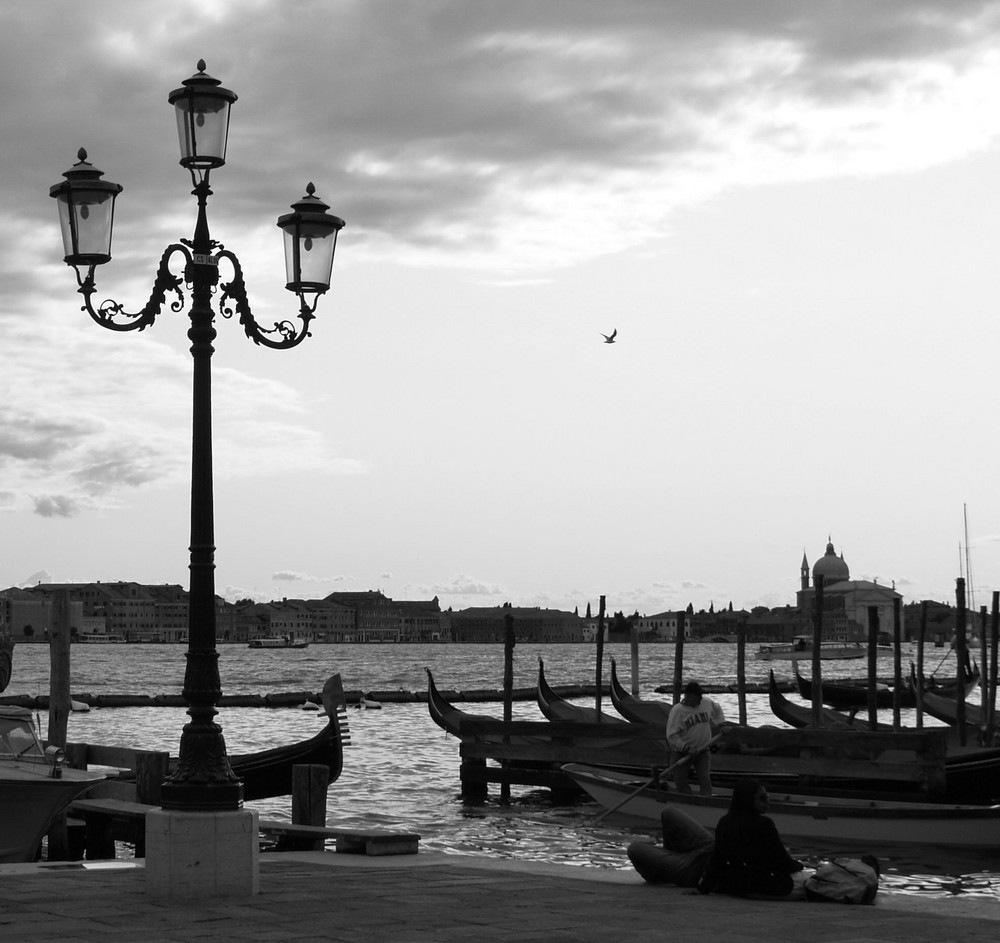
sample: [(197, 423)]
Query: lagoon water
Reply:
[(401, 771)]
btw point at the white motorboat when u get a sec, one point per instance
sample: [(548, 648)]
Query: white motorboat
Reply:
[(34, 785), (801, 649)]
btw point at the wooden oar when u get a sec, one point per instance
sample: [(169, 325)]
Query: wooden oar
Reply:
[(683, 761)]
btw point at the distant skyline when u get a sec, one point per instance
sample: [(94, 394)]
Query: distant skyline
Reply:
[(789, 213)]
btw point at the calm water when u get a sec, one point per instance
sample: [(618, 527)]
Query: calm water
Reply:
[(402, 771)]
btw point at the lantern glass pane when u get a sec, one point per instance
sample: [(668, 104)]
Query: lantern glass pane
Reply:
[(316, 245), (93, 213), (202, 130)]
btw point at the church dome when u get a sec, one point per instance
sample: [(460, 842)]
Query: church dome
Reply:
[(832, 568)]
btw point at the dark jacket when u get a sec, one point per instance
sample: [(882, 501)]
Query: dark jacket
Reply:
[(748, 857)]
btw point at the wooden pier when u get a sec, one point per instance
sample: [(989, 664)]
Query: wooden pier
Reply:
[(115, 811), (531, 753)]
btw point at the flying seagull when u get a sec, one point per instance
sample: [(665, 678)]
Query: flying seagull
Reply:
[(610, 338)]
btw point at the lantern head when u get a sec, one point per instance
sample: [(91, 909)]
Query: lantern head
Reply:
[(310, 241), (86, 213), (202, 110)]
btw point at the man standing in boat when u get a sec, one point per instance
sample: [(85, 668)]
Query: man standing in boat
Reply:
[(691, 725), (6, 656)]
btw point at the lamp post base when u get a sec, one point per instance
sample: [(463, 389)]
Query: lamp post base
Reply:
[(202, 854)]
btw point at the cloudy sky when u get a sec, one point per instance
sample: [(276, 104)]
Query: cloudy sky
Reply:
[(789, 211)]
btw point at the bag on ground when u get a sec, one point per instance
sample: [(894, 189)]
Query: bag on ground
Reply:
[(845, 880)]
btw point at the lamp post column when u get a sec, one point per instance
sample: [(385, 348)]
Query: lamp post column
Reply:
[(202, 842), (203, 779)]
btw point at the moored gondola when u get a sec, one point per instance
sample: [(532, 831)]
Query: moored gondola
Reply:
[(633, 708), (555, 707), (844, 695), (800, 715), (268, 773)]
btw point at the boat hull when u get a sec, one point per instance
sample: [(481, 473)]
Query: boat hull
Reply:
[(276, 643), (30, 798), (779, 653), (851, 822)]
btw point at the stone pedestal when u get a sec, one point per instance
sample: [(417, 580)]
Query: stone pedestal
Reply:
[(202, 854)]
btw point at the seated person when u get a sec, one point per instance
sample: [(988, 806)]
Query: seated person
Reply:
[(748, 858)]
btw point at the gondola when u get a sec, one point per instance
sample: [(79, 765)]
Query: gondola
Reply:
[(848, 694), (944, 707), (846, 820), (445, 714), (798, 715), (557, 708), (635, 709), (972, 773), (843, 695), (493, 730), (268, 773)]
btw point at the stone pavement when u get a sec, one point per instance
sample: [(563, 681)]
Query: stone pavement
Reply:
[(436, 898)]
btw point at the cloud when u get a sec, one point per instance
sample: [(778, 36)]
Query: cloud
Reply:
[(294, 576), (41, 576), (455, 125), (467, 586), (56, 505), (232, 593), (64, 431)]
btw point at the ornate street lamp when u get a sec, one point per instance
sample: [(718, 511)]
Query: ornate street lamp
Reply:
[(203, 779)]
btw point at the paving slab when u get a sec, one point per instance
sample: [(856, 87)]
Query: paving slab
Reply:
[(437, 898)]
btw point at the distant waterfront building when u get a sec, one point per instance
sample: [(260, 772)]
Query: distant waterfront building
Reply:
[(487, 624), (298, 620), (134, 612), (781, 624), (421, 620), (29, 616), (377, 618), (847, 603), (661, 627)]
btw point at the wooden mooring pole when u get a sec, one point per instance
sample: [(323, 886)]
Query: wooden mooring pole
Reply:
[(873, 629), (741, 669), (508, 695), (634, 643), (310, 782), (920, 664), (991, 672), (961, 657), (59, 706), (679, 656), (984, 678), (817, 671), (600, 657), (897, 663)]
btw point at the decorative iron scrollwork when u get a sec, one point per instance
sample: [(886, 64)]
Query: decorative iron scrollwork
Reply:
[(233, 300), (109, 311)]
